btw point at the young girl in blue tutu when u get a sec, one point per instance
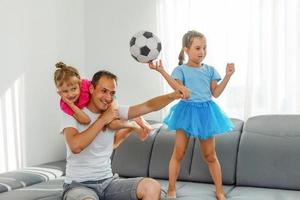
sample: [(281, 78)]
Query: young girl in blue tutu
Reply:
[(197, 116)]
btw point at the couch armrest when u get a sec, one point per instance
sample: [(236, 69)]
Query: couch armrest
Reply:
[(31, 175)]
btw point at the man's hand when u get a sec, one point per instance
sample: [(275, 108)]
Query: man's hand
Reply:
[(110, 114), (175, 95), (185, 93)]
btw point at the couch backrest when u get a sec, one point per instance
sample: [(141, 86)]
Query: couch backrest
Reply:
[(226, 148), (193, 167), (161, 155), (131, 158), (269, 152)]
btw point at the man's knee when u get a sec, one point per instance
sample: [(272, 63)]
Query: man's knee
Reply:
[(154, 186), (149, 187), (80, 193)]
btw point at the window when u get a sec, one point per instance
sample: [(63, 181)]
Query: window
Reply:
[(262, 39)]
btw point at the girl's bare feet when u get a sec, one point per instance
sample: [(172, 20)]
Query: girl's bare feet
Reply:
[(143, 135), (171, 194), (142, 132), (143, 123), (220, 196)]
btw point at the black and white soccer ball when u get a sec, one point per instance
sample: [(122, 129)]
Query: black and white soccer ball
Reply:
[(145, 46)]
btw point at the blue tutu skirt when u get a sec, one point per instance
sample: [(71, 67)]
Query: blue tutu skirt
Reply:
[(198, 119)]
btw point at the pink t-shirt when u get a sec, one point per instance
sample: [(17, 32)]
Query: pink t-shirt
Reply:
[(83, 99)]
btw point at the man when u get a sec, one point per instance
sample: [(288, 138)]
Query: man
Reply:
[(89, 147)]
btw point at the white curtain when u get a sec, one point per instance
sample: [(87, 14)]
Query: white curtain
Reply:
[(262, 38), (12, 127)]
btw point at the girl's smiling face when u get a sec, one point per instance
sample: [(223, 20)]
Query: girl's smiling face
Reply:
[(70, 89)]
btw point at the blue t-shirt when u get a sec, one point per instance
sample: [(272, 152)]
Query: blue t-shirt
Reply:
[(197, 80)]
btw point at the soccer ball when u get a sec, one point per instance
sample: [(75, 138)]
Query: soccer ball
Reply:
[(145, 46)]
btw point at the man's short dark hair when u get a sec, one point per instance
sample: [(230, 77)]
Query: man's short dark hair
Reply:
[(100, 74)]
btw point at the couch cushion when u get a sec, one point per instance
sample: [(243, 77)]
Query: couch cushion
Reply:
[(250, 193), (269, 152), (59, 165), (192, 191), (131, 158), (226, 148), (31, 175), (161, 155), (51, 190)]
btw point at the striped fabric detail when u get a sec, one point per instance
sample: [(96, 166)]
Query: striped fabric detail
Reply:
[(26, 177), (42, 189), (46, 173), (6, 187)]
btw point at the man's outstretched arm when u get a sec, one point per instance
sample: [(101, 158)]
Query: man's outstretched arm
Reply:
[(153, 104)]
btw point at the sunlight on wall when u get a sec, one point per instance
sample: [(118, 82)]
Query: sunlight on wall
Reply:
[(12, 127)]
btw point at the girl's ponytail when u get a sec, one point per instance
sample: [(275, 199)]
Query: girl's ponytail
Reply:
[(181, 57)]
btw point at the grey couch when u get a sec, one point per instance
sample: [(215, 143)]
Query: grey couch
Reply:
[(260, 160)]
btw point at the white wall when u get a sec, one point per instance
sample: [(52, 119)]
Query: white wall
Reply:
[(34, 35), (90, 35), (109, 26)]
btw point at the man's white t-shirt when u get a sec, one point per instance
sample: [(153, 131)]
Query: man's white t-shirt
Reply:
[(92, 163)]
